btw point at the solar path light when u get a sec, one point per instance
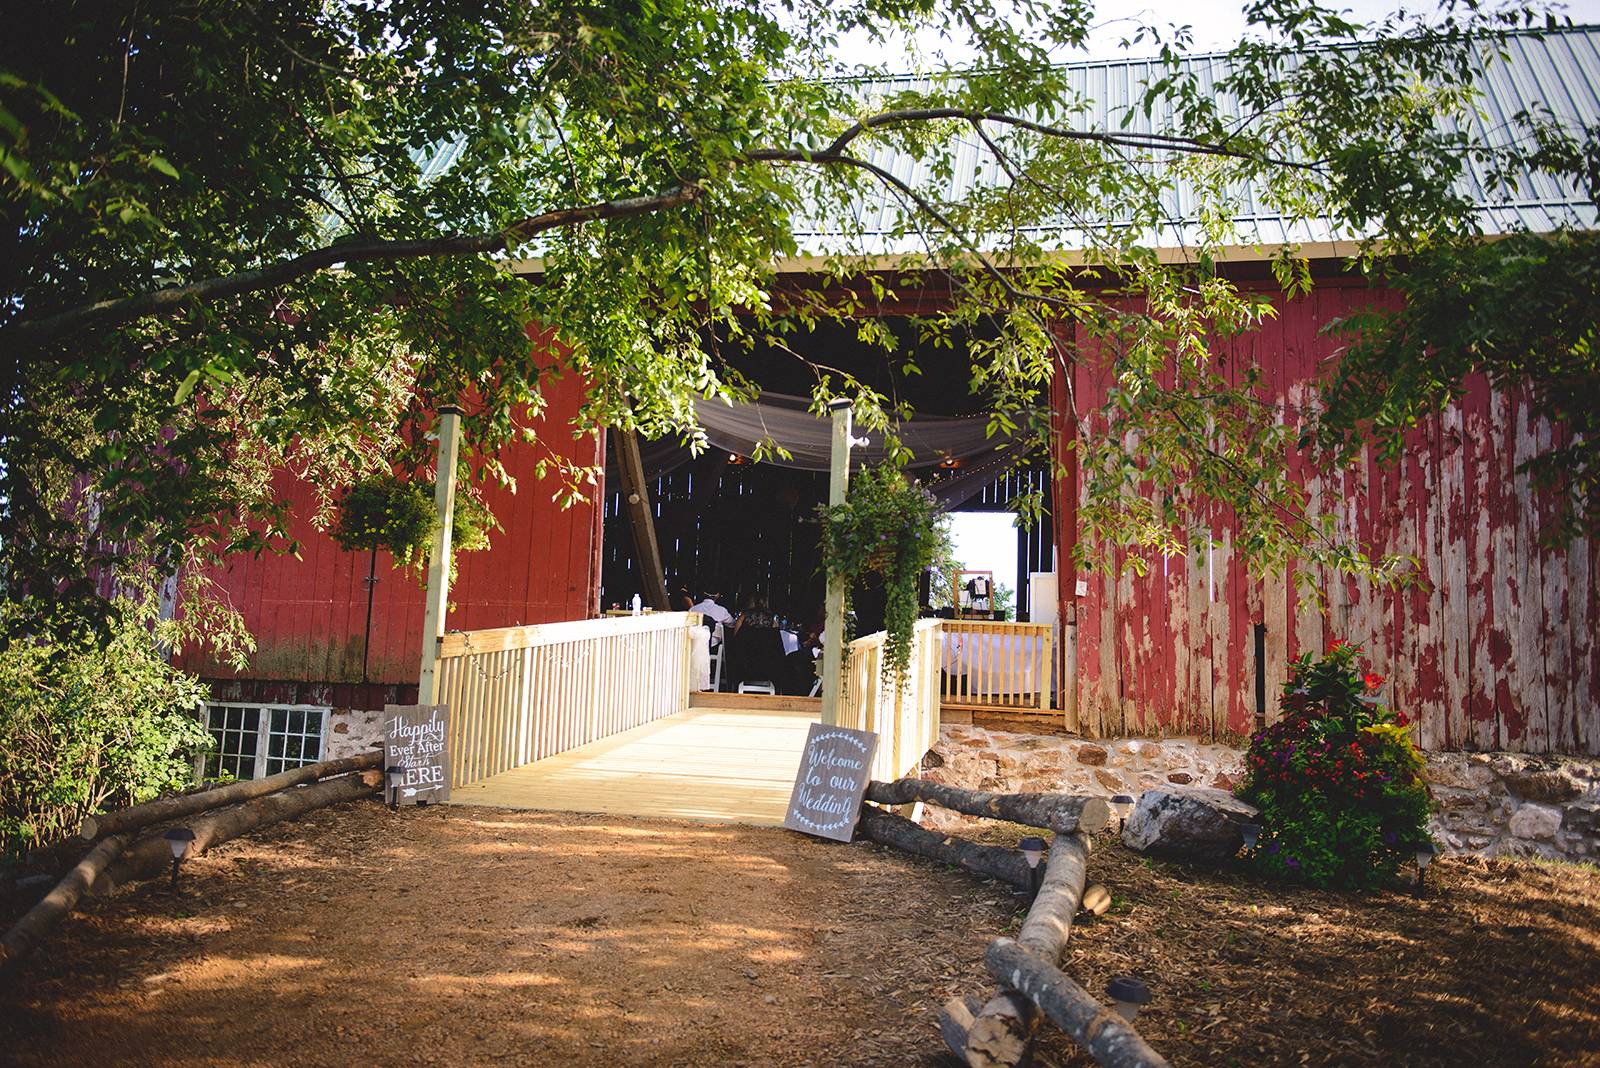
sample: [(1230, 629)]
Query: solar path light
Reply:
[(1251, 833), (179, 839), (1425, 854), (1033, 852), (1122, 805), (397, 775), (1128, 995)]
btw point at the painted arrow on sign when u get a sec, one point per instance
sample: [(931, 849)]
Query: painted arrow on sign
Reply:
[(412, 791)]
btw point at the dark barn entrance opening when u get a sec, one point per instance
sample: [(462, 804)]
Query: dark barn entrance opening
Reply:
[(746, 529)]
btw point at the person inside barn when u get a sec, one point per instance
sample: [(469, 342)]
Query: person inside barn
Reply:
[(714, 612)]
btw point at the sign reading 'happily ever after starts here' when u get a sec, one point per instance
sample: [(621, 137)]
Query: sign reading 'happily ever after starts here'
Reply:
[(833, 775), (414, 738)]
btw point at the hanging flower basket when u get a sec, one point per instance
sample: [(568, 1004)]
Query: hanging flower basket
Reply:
[(888, 527), (390, 513)]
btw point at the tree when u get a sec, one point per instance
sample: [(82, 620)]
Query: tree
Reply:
[(246, 237)]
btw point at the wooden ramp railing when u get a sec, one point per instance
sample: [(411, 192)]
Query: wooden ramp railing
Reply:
[(518, 694), (996, 665), (906, 718)]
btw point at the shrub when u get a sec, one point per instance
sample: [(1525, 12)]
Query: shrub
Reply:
[(1338, 779), (91, 727)]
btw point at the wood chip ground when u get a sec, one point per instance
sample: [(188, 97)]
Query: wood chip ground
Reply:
[(565, 939)]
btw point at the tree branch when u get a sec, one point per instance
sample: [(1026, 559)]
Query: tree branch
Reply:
[(126, 309), (1170, 142), (120, 310)]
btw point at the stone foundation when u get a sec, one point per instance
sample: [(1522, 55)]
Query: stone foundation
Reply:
[(1486, 803), (351, 732)]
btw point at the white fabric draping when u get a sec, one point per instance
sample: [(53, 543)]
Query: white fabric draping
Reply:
[(994, 663), (781, 419), (699, 658)]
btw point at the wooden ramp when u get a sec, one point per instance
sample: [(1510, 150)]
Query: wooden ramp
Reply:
[(715, 764)]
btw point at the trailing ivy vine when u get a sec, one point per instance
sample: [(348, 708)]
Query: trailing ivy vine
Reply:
[(889, 526)]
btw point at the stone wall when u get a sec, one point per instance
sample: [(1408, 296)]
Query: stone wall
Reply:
[(1487, 803), (351, 731)]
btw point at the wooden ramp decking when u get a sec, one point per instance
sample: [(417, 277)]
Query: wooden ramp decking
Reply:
[(715, 764)]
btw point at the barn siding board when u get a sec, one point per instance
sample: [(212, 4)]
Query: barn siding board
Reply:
[(1493, 647), (308, 615)]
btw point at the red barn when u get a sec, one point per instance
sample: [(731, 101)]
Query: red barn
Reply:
[(1495, 649)]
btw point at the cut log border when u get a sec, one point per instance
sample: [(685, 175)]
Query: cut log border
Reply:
[(994, 862), (1109, 1038), (107, 864), (1002, 1032), (151, 856), (38, 921), (999, 1033), (1061, 813), (163, 809)]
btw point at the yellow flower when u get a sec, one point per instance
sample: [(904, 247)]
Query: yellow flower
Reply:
[(1401, 737)]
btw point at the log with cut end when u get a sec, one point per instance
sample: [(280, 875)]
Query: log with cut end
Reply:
[(1109, 1038), (956, 1020), (1061, 813), (38, 921), (150, 857), (1097, 900), (1003, 1029), (163, 809), (996, 862)]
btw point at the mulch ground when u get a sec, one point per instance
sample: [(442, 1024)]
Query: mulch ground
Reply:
[(475, 936)]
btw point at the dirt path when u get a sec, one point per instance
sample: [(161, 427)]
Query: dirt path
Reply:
[(469, 936), (553, 938)]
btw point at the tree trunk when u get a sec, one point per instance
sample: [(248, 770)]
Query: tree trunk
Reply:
[(1061, 813), (1109, 1038), (37, 922), (995, 862), (1003, 1030), (163, 809), (151, 857)]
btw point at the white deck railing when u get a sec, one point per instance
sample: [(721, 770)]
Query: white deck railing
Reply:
[(906, 718), (996, 665), (518, 694)]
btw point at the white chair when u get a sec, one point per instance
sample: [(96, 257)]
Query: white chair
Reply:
[(718, 650), (758, 687)]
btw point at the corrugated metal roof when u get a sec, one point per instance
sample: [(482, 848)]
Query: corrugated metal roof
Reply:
[(1558, 70)]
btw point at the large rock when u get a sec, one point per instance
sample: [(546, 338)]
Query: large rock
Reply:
[(1548, 784), (1535, 821), (1189, 823)]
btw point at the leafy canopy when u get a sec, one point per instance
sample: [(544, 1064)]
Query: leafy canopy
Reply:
[(240, 239)]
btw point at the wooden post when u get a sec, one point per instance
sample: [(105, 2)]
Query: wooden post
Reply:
[(1064, 449), (444, 503), (833, 619), (636, 495)]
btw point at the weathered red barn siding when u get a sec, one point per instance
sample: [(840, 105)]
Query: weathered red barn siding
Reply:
[(308, 615), (1494, 649)]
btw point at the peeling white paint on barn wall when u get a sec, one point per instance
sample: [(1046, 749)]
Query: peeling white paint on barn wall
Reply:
[(1492, 649)]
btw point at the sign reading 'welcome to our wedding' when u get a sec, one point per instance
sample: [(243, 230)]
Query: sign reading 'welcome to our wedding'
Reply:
[(833, 776)]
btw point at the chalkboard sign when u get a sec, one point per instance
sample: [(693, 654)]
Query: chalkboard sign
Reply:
[(414, 738), (833, 775)]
